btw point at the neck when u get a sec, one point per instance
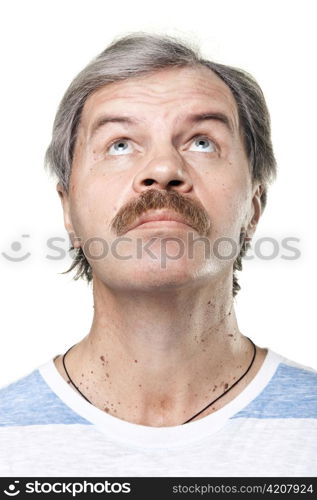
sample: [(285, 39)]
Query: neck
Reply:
[(157, 358)]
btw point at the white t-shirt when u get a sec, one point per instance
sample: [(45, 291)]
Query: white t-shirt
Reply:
[(269, 429)]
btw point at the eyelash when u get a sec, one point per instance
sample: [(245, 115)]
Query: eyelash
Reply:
[(117, 140), (190, 140)]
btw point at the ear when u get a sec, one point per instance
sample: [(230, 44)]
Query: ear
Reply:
[(67, 215), (256, 210)]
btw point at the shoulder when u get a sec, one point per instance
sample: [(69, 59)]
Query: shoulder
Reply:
[(290, 393), (30, 401), (20, 400), (297, 377), (294, 390)]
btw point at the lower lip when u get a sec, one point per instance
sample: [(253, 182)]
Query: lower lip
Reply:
[(166, 224)]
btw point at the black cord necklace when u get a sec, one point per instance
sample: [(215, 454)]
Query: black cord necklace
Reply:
[(196, 414)]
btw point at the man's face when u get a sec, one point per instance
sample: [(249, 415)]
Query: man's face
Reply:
[(149, 133)]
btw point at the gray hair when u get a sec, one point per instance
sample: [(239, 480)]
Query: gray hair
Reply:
[(139, 54)]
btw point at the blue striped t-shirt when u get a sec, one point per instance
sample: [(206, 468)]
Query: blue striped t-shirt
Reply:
[(269, 429)]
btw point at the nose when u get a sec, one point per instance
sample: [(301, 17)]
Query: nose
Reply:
[(163, 172)]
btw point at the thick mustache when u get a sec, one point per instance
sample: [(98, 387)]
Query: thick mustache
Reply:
[(192, 211)]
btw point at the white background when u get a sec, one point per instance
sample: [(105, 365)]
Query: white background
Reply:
[(43, 46)]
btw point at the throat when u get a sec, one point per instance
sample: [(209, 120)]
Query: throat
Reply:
[(149, 402)]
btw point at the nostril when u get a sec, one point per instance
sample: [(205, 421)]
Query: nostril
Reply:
[(175, 183), (148, 182)]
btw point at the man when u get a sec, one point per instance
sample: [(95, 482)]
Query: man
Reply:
[(163, 162)]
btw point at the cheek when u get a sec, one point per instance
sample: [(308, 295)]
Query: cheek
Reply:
[(227, 204), (94, 204)]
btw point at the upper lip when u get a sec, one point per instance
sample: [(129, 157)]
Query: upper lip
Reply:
[(157, 216)]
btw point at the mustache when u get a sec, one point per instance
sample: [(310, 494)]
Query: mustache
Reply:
[(193, 212)]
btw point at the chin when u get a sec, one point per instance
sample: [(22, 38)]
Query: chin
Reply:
[(143, 275), (157, 277)]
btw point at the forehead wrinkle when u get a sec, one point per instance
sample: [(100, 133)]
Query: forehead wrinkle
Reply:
[(153, 93)]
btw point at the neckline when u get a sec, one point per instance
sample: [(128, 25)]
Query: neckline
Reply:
[(159, 437)]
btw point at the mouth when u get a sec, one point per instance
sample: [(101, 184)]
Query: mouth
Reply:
[(160, 219)]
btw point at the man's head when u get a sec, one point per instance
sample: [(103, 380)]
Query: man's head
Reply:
[(150, 125)]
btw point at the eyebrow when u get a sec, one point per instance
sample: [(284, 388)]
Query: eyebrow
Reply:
[(194, 118), (105, 119), (220, 117)]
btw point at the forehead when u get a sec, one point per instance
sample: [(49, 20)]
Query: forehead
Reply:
[(168, 92)]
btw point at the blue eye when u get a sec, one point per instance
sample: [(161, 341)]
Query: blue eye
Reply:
[(199, 143), (203, 144), (120, 147)]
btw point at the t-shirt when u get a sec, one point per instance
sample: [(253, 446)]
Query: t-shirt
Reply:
[(269, 429)]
